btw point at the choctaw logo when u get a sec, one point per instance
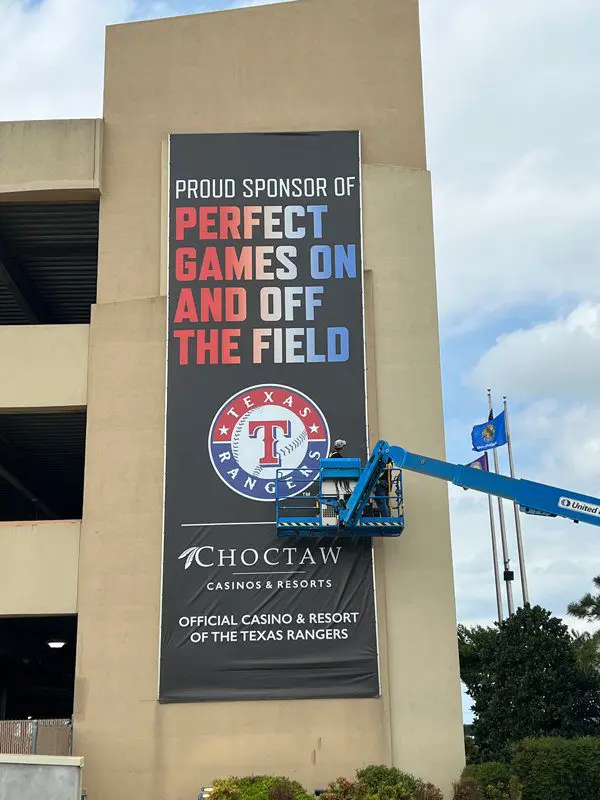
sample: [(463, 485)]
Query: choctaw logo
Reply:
[(265, 429)]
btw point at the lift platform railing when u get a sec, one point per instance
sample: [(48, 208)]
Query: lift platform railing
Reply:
[(312, 510), (297, 495)]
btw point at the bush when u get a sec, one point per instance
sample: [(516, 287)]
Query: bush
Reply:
[(258, 787), (429, 792), (492, 773), (494, 780), (343, 789), (388, 783), (558, 769), (467, 789), (378, 782)]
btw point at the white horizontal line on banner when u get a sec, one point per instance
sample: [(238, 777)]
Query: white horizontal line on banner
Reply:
[(292, 572), (197, 524)]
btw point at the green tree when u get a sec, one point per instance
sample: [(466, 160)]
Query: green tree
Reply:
[(587, 645), (588, 608), (525, 680)]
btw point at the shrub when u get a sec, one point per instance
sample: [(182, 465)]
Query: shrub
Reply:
[(492, 773), (388, 783), (343, 789), (258, 787), (494, 780), (429, 792), (554, 768), (467, 789)]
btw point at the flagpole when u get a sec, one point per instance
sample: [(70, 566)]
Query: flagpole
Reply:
[(524, 587), (495, 557), (507, 571)]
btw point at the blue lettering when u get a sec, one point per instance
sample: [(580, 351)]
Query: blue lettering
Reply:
[(338, 344)]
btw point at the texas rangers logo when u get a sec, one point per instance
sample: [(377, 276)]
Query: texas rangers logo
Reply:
[(265, 435)]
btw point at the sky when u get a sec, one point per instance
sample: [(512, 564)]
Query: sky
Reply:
[(513, 141)]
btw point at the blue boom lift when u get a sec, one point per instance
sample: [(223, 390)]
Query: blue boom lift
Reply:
[(346, 499)]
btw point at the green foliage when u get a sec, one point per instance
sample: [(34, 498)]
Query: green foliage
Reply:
[(429, 792), (588, 607), (587, 651), (495, 781), (472, 643), (559, 769), (388, 783), (467, 789), (379, 782), (587, 645), (492, 773), (343, 789), (258, 787), (525, 680), (472, 754)]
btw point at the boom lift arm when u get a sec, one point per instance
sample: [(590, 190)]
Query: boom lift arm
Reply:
[(532, 498), (333, 512)]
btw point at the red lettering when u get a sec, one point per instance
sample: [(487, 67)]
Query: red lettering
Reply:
[(184, 345), (230, 218), (210, 265), (210, 347), (269, 457), (185, 217), (235, 304), (185, 263), (238, 267), (186, 307), (211, 301), (207, 221)]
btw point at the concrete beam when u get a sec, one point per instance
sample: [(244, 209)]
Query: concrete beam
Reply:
[(47, 365), (38, 567), (49, 156)]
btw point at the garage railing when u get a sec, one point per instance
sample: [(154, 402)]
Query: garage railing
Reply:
[(42, 737)]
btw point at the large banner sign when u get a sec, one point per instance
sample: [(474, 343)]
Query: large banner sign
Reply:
[(266, 368)]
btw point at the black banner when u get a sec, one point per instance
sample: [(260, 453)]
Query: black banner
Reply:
[(266, 369)]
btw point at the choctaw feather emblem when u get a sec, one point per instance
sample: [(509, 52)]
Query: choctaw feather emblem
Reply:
[(191, 555)]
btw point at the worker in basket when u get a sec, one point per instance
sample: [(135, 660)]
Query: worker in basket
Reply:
[(342, 486), (382, 493)]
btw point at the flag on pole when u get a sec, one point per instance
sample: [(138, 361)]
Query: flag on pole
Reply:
[(489, 434), (480, 463)]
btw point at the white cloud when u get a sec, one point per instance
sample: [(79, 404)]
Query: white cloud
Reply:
[(559, 358), (526, 236), (512, 120), (52, 57), (53, 51)]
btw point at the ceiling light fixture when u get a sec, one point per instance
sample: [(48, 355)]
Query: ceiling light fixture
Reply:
[(56, 644)]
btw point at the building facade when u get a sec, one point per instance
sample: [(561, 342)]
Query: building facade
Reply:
[(84, 269)]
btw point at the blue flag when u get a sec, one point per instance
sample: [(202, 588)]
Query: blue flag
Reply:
[(490, 434)]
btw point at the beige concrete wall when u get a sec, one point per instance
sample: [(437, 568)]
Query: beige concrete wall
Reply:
[(177, 75), (416, 571), (49, 155), (39, 567), (328, 65), (47, 365)]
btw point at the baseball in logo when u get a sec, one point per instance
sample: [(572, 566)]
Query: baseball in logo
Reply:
[(265, 435)]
